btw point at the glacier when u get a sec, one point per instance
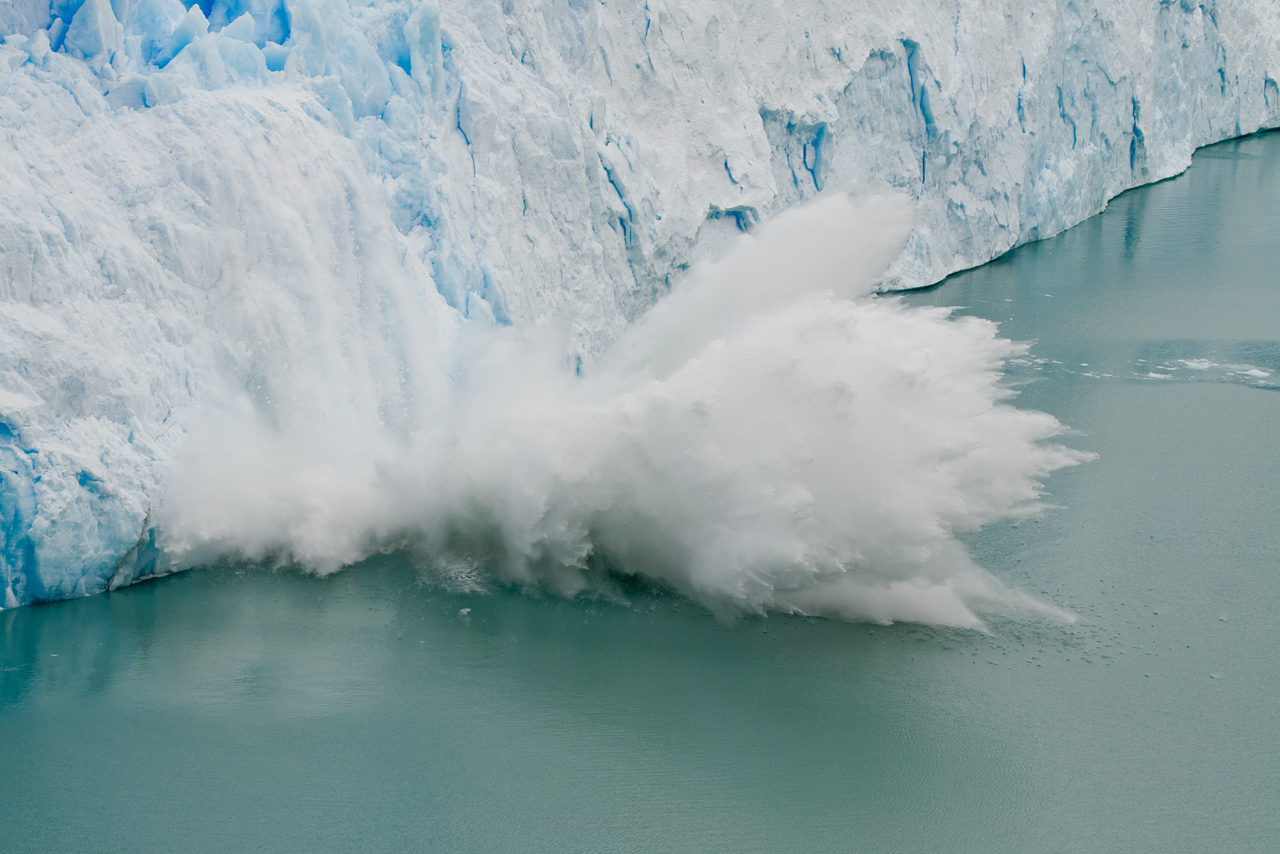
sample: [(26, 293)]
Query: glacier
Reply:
[(285, 279)]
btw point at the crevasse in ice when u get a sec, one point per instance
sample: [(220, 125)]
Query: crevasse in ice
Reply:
[(215, 206)]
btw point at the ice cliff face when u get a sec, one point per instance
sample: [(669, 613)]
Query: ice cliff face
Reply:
[(293, 206)]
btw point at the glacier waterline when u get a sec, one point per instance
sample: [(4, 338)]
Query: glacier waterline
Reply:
[(379, 172)]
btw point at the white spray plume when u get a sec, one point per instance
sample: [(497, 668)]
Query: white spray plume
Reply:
[(769, 437)]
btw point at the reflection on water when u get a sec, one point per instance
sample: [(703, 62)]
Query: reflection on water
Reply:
[(250, 709), (522, 724)]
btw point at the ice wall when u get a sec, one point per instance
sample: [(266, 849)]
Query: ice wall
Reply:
[(210, 207)]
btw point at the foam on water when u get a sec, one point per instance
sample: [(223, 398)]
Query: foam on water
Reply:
[(769, 437)]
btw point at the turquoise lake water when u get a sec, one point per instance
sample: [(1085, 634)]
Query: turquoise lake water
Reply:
[(249, 710)]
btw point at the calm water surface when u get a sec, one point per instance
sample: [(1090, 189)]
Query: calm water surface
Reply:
[(240, 710)]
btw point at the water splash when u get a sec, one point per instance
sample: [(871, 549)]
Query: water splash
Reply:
[(769, 437)]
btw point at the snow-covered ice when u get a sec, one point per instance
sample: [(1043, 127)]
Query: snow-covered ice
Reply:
[(312, 227)]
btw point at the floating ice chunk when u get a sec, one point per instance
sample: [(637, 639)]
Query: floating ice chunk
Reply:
[(1197, 364), (1254, 372)]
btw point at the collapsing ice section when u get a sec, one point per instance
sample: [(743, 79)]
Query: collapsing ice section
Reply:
[(341, 230), (769, 437)]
